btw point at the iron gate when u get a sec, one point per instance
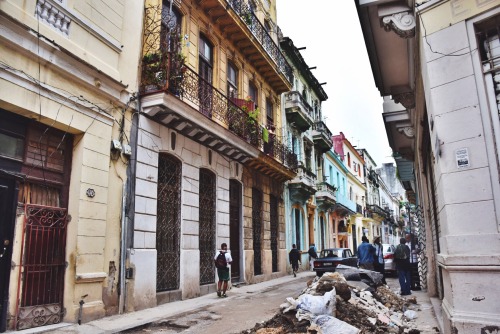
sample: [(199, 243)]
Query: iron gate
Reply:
[(273, 201), (43, 266), (234, 227), (417, 228), (168, 225), (207, 226), (257, 230)]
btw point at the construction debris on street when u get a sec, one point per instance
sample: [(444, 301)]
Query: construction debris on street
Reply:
[(348, 301)]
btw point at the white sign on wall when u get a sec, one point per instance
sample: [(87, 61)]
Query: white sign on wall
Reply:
[(462, 158)]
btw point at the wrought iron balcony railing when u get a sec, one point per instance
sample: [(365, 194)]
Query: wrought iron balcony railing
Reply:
[(166, 73), (321, 127), (247, 15), (326, 187)]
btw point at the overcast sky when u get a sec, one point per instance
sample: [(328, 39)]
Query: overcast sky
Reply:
[(330, 31)]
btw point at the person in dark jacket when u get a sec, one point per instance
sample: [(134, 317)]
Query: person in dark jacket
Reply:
[(401, 257), (365, 254), (294, 257)]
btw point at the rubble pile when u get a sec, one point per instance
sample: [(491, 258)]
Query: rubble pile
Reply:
[(350, 301)]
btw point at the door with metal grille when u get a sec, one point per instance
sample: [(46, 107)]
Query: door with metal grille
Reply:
[(257, 230), (235, 227), (273, 201), (168, 224), (207, 226), (43, 266)]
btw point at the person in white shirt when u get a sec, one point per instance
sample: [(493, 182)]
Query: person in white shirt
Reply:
[(223, 272)]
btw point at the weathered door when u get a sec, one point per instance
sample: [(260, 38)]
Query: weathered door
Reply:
[(7, 219), (43, 265)]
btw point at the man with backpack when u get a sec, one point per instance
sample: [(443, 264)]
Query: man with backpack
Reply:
[(222, 261), (294, 257), (401, 257)]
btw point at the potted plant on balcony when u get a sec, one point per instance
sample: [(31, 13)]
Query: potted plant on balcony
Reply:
[(153, 73)]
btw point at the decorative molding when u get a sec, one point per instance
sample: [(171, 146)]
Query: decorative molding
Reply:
[(403, 24), (90, 277), (40, 315), (408, 131), (407, 99)]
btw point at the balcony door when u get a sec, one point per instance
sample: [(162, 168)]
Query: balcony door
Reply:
[(206, 75)]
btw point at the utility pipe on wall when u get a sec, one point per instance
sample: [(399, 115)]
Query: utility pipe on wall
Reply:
[(123, 249)]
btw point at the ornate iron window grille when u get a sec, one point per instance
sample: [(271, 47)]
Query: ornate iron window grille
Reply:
[(168, 225), (257, 230), (207, 226)]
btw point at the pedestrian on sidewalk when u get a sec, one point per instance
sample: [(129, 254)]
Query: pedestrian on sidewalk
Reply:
[(412, 243), (366, 251), (378, 259), (222, 261), (294, 257), (313, 255), (401, 257)]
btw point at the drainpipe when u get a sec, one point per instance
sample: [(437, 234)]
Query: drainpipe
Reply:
[(123, 249)]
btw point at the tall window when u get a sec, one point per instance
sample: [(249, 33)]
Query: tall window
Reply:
[(205, 72), (348, 159), (232, 81), (269, 112), (207, 221), (350, 193), (253, 93), (169, 20)]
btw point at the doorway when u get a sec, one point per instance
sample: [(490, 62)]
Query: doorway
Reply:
[(234, 228), (8, 194)]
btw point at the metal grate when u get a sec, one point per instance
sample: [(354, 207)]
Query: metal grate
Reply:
[(257, 230), (168, 224), (234, 227), (207, 226), (417, 225), (43, 267), (273, 202)]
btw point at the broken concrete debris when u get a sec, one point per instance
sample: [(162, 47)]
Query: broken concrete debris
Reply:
[(350, 301)]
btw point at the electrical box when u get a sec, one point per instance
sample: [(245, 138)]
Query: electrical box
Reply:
[(115, 145), (126, 150)]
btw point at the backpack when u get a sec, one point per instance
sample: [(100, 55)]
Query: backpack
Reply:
[(220, 261), (312, 253), (400, 253)]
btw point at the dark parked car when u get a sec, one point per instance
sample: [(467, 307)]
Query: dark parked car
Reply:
[(330, 258)]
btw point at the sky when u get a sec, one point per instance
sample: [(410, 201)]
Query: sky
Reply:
[(331, 33)]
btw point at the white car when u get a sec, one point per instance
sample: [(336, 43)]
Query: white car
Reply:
[(389, 264)]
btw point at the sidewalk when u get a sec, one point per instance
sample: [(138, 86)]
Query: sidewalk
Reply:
[(121, 322)]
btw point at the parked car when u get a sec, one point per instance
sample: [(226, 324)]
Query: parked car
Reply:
[(389, 264), (330, 258)]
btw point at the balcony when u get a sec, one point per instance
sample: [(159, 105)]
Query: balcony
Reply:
[(174, 95), (298, 111), (376, 212), (325, 196), (322, 137), (302, 186)]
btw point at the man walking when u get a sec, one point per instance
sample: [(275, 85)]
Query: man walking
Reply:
[(366, 251), (222, 261), (313, 255), (294, 257), (401, 257)]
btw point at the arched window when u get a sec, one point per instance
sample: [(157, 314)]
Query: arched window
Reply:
[(298, 229), (207, 209), (170, 21), (168, 222)]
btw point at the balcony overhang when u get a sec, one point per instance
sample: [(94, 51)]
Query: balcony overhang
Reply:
[(297, 112), (229, 16), (172, 112), (341, 210), (267, 165), (322, 141), (300, 192)]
